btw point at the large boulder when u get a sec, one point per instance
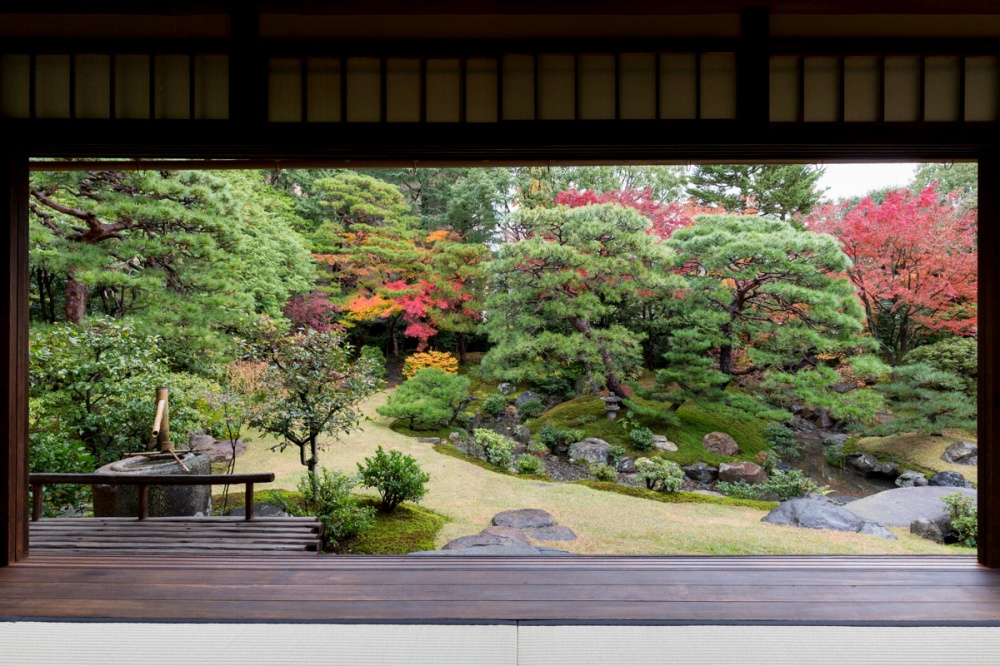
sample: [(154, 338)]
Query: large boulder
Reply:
[(742, 471), (819, 514), (864, 464), (901, 506), (961, 453), (909, 478), (551, 533), (721, 444), (950, 479), (938, 529), (592, 449), (701, 473), (524, 518)]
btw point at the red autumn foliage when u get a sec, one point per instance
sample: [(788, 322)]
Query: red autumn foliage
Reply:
[(313, 311), (666, 218), (914, 266)]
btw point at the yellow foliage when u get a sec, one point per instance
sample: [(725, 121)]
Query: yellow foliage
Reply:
[(440, 360)]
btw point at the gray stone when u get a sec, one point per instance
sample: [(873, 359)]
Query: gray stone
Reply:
[(592, 449), (123, 501), (454, 437), (834, 440), (524, 518), (551, 533), (521, 434), (909, 478), (721, 444), (429, 440), (626, 465), (901, 506), (742, 471), (701, 472), (864, 464), (199, 441), (823, 419), (819, 514), (890, 470), (505, 388), (525, 397), (512, 550), (661, 443), (950, 479), (219, 450), (260, 510), (936, 529), (491, 536), (961, 453), (504, 532)]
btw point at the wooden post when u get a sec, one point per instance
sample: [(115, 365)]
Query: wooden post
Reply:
[(989, 358), (143, 502), (248, 510), (14, 358)]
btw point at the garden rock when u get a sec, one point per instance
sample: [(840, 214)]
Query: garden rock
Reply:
[(820, 514), (505, 388), (936, 529), (742, 471), (219, 450), (909, 478), (961, 453), (551, 533), (950, 479), (864, 464), (199, 441), (801, 424), (592, 450), (626, 466), (521, 434), (661, 443), (504, 532), (260, 510), (525, 397), (500, 536), (901, 506), (429, 440), (454, 437), (890, 470), (701, 472), (524, 518), (721, 444), (823, 419), (834, 440)]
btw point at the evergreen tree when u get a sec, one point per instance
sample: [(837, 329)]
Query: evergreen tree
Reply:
[(557, 288), (779, 190)]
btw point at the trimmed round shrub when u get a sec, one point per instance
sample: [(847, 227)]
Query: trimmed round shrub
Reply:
[(531, 408), (495, 404), (641, 438), (441, 360), (603, 472), (343, 515), (377, 358), (396, 476), (432, 399), (499, 450), (531, 465), (660, 474)]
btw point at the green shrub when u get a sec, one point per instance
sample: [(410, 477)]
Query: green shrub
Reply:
[(956, 355), (495, 404), (783, 440), (432, 399), (603, 472), (834, 456), (531, 408), (553, 437), (641, 438), (784, 484), (342, 515), (537, 447), (378, 360), (660, 474), (397, 477), (929, 400), (530, 465), (498, 449), (57, 453), (964, 516), (616, 453), (556, 386), (587, 418)]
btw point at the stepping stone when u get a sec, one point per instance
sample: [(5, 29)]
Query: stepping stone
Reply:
[(521, 550), (524, 518), (551, 533)]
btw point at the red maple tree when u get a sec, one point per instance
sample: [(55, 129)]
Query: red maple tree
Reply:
[(665, 218), (914, 265)]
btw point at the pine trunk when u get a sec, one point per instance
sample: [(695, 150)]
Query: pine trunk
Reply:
[(76, 301)]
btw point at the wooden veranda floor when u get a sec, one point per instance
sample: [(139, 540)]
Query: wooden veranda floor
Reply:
[(688, 590), (212, 535)]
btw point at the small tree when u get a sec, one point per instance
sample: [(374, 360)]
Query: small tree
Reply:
[(397, 477), (312, 386), (431, 399)]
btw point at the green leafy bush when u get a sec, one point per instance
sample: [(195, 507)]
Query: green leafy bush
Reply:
[(531, 465), (537, 447), (834, 456), (495, 404), (57, 453), (928, 399), (498, 449), (964, 516), (553, 437), (603, 472), (957, 355), (397, 477), (641, 438), (531, 408), (556, 386), (660, 474), (343, 516), (616, 453), (782, 440), (377, 358), (432, 399), (784, 484)]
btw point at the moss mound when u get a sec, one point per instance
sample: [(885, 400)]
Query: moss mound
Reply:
[(408, 529)]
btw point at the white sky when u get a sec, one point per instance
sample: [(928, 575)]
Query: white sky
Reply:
[(848, 180)]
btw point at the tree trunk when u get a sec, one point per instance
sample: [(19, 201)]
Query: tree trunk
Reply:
[(76, 301), (392, 337), (611, 379), (311, 465), (460, 344)]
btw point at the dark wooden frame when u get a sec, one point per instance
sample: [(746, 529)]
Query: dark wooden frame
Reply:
[(750, 137)]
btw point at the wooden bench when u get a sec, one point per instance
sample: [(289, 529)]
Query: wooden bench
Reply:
[(187, 535)]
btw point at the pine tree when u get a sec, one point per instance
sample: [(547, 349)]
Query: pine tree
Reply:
[(779, 190)]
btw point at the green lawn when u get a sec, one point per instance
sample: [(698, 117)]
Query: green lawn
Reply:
[(606, 522)]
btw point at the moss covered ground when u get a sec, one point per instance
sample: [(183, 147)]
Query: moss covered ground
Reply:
[(913, 451)]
